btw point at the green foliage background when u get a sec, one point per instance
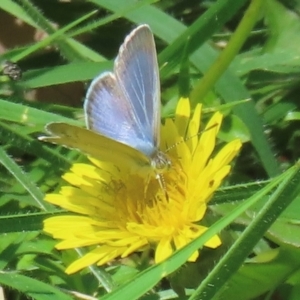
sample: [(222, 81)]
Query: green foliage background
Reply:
[(240, 57)]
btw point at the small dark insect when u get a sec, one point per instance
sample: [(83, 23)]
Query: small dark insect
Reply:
[(12, 70)]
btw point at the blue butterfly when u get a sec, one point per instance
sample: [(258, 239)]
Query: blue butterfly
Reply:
[(122, 111)]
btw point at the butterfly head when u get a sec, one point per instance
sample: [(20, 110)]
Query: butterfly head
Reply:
[(160, 162)]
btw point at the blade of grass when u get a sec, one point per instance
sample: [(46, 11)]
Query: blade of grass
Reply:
[(285, 193), (227, 55), (199, 32), (249, 116), (117, 15), (24, 114), (31, 287), (25, 222), (72, 45), (77, 71), (16, 10), (45, 42), (18, 138), (23, 179), (65, 45)]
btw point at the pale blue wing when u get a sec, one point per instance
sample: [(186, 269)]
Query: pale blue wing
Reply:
[(109, 114), (125, 106), (137, 72)]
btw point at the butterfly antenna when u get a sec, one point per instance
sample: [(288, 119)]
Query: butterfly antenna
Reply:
[(190, 137)]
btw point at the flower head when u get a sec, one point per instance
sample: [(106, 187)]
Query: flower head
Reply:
[(117, 215)]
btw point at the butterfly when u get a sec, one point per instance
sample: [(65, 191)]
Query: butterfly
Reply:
[(122, 111)]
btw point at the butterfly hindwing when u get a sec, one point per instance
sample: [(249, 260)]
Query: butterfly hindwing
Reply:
[(93, 144)]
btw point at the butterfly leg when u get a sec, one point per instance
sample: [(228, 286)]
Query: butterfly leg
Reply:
[(162, 184)]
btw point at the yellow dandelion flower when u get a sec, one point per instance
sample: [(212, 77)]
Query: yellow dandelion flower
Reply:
[(117, 215)]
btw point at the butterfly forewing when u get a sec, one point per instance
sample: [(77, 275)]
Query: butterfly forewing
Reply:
[(137, 72), (126, 107)]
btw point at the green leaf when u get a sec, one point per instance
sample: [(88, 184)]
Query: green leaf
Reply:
[(32, 288), (78, 71), (284, 25), (270, 275), (24, 180), (284, 194)]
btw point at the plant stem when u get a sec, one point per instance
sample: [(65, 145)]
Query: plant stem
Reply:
[(233, 47)]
